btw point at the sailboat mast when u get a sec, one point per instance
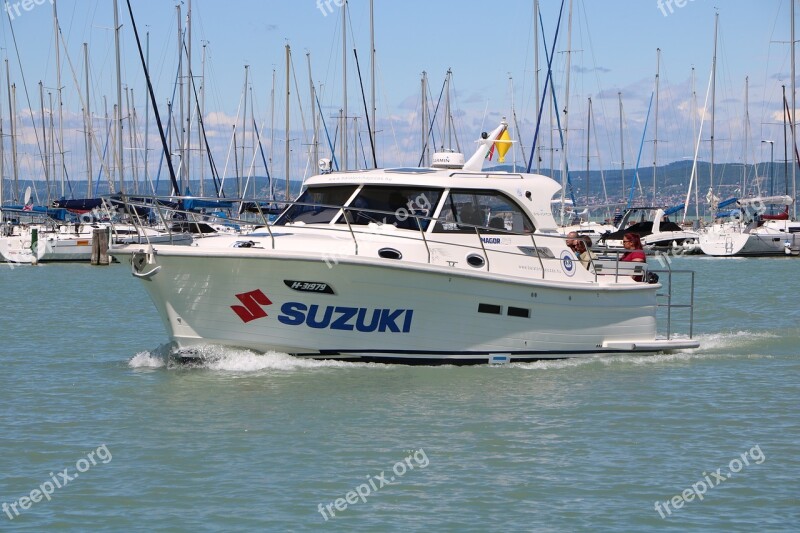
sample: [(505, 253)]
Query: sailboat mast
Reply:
[(344, 88), (147, 116), (272, 130), (621, 145), (60, 100), (314, 122), (44, 137), (655, 128), (134, 141), (130, 141), (785, 148), (286, 129), (746, 132), (424, 119), (88, 122), (12, 106), (447, 116), (374, 131), (713, 110), (538, 155), (52, 143), (189, 90), (696, 134), (120, 158), (179, 130), (794, 110), (516, 127), (244, 118), (588, 136), (2, 152), (565, 142), (201, 140)]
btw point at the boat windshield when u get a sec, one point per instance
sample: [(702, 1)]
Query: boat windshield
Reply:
[(399, 206), (317, 205), (465, 209)]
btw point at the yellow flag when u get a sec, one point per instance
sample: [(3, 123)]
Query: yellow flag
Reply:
[(503, 144)]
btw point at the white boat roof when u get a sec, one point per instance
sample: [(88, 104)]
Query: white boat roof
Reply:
[(532, 192)]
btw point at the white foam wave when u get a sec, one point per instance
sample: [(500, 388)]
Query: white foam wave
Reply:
[(235, 360), (713, 345), (226, 359), (147, 360)]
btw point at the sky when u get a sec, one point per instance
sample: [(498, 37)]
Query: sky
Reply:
[(611, 46)]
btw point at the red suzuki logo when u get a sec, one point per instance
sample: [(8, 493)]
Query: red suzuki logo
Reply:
[(251, 310)]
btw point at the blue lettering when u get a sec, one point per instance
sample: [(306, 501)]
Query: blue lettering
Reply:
[(342, 321), (311, 319), (373, 325), (293, 314), (407, 321), (388, 318), (381, 320)]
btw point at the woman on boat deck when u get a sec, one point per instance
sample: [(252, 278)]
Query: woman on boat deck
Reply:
[(633, 251)]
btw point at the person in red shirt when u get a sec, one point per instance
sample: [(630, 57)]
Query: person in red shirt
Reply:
[(633, 251)]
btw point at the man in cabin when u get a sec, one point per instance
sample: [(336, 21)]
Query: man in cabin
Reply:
[(572, 241)]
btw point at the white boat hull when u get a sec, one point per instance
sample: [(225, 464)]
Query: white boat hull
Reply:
[(761, 242), (424, 314)]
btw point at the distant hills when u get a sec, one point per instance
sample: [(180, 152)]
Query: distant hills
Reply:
[(672, 181)]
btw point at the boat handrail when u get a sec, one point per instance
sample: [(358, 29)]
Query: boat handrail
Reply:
[(669, 296), (424, 224)]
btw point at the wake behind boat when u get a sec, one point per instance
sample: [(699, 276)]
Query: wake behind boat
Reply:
[(447, 264)]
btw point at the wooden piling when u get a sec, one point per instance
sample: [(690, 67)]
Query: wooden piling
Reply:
[(100, 239)]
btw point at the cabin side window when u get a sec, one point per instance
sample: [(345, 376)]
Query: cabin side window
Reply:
[(404, 207), (317, 205), (492, 211)]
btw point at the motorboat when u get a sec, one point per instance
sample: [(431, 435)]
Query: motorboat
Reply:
[(442, 265), (657, 232)]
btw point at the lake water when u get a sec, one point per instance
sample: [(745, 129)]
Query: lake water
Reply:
[(99, 431)]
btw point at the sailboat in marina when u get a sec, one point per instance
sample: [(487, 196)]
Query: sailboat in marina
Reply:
[(747, 229)]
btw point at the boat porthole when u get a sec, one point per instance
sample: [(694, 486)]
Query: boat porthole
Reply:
[(475, 260), (389, 253)]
